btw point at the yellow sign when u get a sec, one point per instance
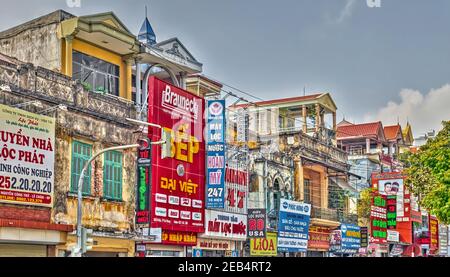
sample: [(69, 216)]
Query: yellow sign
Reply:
[(264, 246)]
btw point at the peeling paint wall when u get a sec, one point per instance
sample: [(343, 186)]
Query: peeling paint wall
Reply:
[(39, 46)]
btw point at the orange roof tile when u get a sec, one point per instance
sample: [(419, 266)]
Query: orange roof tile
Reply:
[(359, 130), (391, 132)]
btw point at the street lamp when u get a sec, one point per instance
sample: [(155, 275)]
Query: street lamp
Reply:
[(78, 250)]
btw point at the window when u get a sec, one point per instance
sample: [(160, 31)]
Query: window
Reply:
[(112, 176), (307, 191), (81, 153), (96, 75)]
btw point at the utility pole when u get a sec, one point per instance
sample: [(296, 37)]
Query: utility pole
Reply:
[(78, 250)]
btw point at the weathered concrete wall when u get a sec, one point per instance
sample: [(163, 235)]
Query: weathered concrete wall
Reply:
[(96, 119), (39, 46)]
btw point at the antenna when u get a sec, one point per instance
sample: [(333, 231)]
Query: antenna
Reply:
[(146, 14), (304, 90)]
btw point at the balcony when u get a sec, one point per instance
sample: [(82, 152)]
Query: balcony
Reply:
[(334, 215)]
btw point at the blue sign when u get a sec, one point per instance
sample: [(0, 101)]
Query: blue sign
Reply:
[(196, 253), (293, 226), (215, 155), (351, 238)]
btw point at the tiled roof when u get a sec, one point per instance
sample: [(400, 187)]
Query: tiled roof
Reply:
[(359, 130), (391, 132), (281, 100)]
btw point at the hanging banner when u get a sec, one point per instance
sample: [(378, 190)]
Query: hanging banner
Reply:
[(236, 190), (293, 226), (443, 240), (27, 157), (378, 220), (266, 247), (178, 182), (216, 141)]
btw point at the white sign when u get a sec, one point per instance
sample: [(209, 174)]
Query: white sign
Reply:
[(27, 157), (241, 128), (394, 187), (222, 225), (393, 236)]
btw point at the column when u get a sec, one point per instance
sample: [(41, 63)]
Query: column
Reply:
[(68, 56), (334, 122), (138, 84), (367, 145), (129, 79), (304, 112), (299, 180), (318, 118)]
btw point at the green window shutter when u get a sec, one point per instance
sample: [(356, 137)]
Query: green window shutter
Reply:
[(81, 153), (112, 175)]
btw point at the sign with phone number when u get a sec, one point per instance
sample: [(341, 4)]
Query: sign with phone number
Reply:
[(27, 144)]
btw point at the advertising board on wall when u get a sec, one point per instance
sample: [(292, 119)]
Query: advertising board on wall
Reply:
[(223, 225), (216, 141), (179, 238), (293, 226), (264, 246), (143, 188), (364, 237), (392, 184), (443, 240), (178, 184), (27, 156), (391, 209), (434, 234), (256, 223), (351, 238), (319, 238)]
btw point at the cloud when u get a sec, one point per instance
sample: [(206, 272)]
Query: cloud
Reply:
[(347, 11), (425, 112)]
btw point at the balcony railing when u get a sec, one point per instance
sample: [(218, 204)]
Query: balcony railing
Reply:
[(334, 215)]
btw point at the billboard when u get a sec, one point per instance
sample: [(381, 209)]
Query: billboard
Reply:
[(27, 157), (319, 238), (179, 238), (392, 184), (351, 238), (266, 246), (178, 182), (256, 223), (215, 177), (223, 225), (293, 226)]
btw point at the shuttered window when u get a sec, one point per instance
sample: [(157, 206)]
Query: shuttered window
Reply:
[(112, 176), (81, 153)]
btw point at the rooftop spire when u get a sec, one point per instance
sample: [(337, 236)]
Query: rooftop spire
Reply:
[(146, 34)]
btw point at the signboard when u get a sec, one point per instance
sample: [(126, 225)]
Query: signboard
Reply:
[(236, 190), (434, 235), (143, 188), (179, 238), (266, 247), (378, 220), (222, 225), (364, 237), (27, 157), (215, 178), (178, 182), (393, 236), (256, 223), (351, 238), (241, 127), (293, 226), (210, 244), (319, 238), (392, 183), (336, 241), (197, 253), (391, 209), (443, 240)]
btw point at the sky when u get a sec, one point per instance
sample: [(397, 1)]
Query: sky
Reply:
[(389, 63)]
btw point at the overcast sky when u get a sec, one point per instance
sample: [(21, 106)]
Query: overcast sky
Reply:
[(378, 63)]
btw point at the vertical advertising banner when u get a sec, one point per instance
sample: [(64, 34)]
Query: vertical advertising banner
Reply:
[(364, 237), (256, 223), (178, 182), (236, 190), (391, 215), (216, 141), (293, 226), (378, 220), (434, 234), (264, 247), (143, 188), (351, 238), (27, 157), (443, 240)]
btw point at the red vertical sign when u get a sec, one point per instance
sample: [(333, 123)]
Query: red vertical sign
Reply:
[(178, 186), (434, 234)]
